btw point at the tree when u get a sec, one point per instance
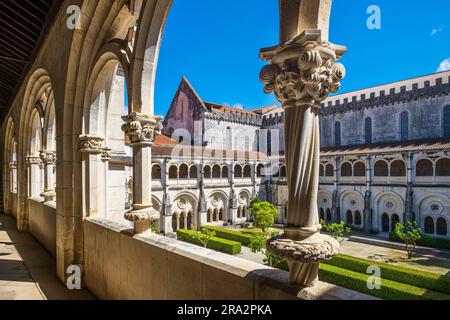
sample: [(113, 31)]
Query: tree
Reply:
[(258, 244), (263, 213), (336, 230), (409, 234), (204, 236)]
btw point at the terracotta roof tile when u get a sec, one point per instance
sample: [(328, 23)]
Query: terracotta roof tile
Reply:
[(389, 147)]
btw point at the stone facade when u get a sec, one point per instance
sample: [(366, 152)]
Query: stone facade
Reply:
[(372, 178)]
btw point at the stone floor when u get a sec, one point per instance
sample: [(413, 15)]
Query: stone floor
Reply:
[(27, 271)]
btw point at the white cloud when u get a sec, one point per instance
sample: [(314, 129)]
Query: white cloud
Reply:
[(444, 66), (236, 105), (435, 31)]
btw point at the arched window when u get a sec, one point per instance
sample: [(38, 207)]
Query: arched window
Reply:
[(359, 169), (358, 218), (394, 220), (247, 172), (424, 168), (237, 171), (174, 222), (184, 171), (210, 215), (269, 142), (429, 225), (398, 168), (368, 130), (441, 227), (216, 171), (446, 121), (329, 170), (381, 169), (346, 170), (260, 171), (337, 134), (207, 170), (328, 217), (404, 126), (443, 167), (221, 215), (349, 216), (321, 214), (193, 172), (322, 170), (156, 172), (173, 172), (224, 172), (283, 171), (385, 222)]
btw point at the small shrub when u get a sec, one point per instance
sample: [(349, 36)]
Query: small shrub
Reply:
[(336, 230), (263, 213), (409, 234), (204, 236)]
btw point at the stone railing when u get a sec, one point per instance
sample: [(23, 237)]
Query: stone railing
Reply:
[(121, 265)]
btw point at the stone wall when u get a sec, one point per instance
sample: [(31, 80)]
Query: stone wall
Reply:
[(43, 223), (119, 265)]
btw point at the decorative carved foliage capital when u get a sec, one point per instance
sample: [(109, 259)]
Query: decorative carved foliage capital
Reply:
[(13, 165), (48, 157), (142, 129), (90, 144), (33, 160), (303, 71)]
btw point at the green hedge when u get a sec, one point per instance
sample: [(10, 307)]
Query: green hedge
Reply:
[(422, 279), (390, 290), (426, 241), (218, 244), (231, 235)]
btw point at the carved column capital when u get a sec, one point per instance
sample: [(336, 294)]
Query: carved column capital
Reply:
[(142, 129), (303, 71), (47, 157), (13, 165), (106, 154), (32, 160), (90, 144)]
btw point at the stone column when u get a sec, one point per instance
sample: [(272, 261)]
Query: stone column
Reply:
[(34, 171), (48, 159), (202, 205), (302, 73), (142, 130), (13, 176), (91, 148), (367, 211)]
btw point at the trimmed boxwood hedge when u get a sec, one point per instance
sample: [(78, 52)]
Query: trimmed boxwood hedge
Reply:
[(218, 244), (231, 235), (390, 290), (422, 279), (426, 241)]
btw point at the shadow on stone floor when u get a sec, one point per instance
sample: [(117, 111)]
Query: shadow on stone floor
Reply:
[(39, 264)]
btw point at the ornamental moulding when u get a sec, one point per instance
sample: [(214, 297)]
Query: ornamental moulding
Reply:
[(142, 129), (90, 144)]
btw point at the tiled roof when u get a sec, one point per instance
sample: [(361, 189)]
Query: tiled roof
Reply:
[(425, 145), (214, 107), (171, 149)]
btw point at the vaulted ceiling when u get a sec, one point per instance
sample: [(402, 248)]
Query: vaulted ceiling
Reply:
[(23, 25)]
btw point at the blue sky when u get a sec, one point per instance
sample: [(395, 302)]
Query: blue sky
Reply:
[(215, 44)]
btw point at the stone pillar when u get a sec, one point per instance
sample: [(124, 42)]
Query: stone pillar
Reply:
[(13, 176), (302, 73), (202, 205), (233, 205), (335, 216), (91, 148), (34, 175), (368, 212), (142, 130), (254, 177), (48, 159)]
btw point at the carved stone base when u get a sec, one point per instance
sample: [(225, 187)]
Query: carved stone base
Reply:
[(142, 218), (304, 256), (48, 195)]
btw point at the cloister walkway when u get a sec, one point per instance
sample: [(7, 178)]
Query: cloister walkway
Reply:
[(27, 270)]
